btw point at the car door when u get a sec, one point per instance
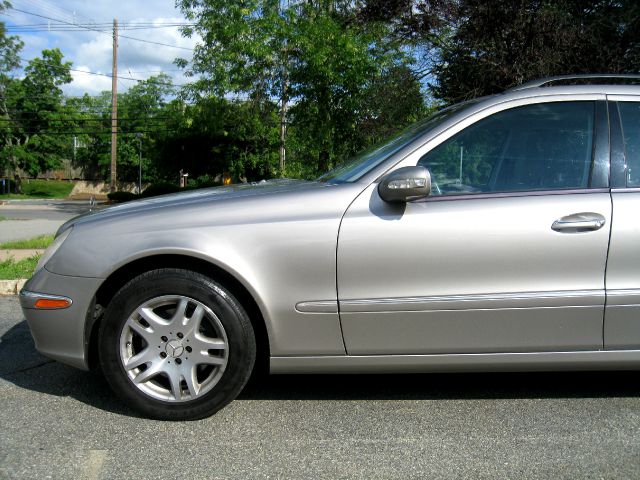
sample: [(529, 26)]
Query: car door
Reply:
[(507, 254), (622, 314)]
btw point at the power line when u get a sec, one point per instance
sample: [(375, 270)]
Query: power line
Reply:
[(150, 127), (88, 72), (107, 24), (120, 77), (107, 131), (157, 71), (146, 120), (88, 108), (54, 9), (86, 27), (79, 27), (75, 28)]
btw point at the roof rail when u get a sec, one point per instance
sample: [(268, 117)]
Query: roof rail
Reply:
[(541, 82)]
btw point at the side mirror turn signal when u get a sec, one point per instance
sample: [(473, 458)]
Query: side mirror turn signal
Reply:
[(405, 184)]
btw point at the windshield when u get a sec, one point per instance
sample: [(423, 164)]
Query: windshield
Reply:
[(356, 167)]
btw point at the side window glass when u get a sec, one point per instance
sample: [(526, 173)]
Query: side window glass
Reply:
[(630, 116), (547, 146)]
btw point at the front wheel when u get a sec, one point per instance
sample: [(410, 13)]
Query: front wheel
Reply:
[(176, 345)]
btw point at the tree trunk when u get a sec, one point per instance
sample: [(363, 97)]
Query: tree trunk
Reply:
[(283, 128), (325, 140), (17, 182), (284, 103)]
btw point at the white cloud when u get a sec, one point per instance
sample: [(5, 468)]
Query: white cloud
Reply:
[(93, 50), (86, 83)]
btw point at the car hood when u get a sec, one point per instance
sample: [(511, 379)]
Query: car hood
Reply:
[(195, 197)]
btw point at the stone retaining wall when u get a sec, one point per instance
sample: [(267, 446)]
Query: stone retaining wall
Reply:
[(11, 287), (102, 188)]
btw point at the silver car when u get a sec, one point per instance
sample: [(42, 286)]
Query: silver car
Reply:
[(501, 234)]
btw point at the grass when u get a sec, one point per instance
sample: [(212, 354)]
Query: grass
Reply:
[(12, 270), (42, 189), (43, 241), (2, 218)]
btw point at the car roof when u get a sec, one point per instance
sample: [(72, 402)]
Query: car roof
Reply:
[(609, 84), (603, 84)]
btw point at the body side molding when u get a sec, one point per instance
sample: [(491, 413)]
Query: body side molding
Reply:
[(490, 301), (623, 296), (318, 306)]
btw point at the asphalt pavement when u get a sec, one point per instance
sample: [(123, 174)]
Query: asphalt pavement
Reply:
[(31, 218), (58, 422)]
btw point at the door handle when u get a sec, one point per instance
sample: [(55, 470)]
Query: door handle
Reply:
[(579, 222)]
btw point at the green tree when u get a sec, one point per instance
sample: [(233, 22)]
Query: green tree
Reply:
[(36, 137), (91, 120), (393, 100), (217, 135), (10, 47), (502, 43), (310, 58), (246, 51), (334, 64), (143, 119)]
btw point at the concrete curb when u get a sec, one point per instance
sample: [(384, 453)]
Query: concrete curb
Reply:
[(19, 254), (12, 287)]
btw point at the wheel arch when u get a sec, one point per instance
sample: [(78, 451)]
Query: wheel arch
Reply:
[(119, 277)]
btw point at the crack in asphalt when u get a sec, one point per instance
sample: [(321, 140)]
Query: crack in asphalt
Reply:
[(26, 369)]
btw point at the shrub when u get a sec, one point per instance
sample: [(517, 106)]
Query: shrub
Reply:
[(163, 188), (204, 181), (119, 196)]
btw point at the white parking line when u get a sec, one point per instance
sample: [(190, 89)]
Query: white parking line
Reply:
[(93, 466)]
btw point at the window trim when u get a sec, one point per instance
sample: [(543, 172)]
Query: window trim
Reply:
[(619, 164), (618, 155), (600, 173), (626, 190), (518, 193)]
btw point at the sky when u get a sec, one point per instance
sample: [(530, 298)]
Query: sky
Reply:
[(90, 50)]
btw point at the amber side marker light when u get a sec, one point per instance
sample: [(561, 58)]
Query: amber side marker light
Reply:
[(48, 303)]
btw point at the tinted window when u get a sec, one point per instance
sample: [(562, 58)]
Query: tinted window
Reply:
[(545, 146), (630, 115)]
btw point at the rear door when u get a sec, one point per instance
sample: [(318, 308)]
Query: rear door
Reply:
[(622, 315), (507, 255)]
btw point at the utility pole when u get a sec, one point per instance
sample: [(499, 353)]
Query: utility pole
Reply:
[(283, 120), (284, 99), (139, 135), (114, 106), (75, 147)]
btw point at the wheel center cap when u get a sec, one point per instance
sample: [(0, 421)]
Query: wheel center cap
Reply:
[(174, 348)]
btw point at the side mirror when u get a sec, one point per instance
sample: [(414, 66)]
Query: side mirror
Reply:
[(405, 184)]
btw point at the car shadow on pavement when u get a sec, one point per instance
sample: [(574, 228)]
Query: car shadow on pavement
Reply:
[(443, 386), (71, 207), (23, 366)]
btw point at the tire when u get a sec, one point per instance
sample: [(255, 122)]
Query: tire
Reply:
[(176, 345)]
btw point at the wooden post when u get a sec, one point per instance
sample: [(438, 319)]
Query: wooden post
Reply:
[(114, 107)]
